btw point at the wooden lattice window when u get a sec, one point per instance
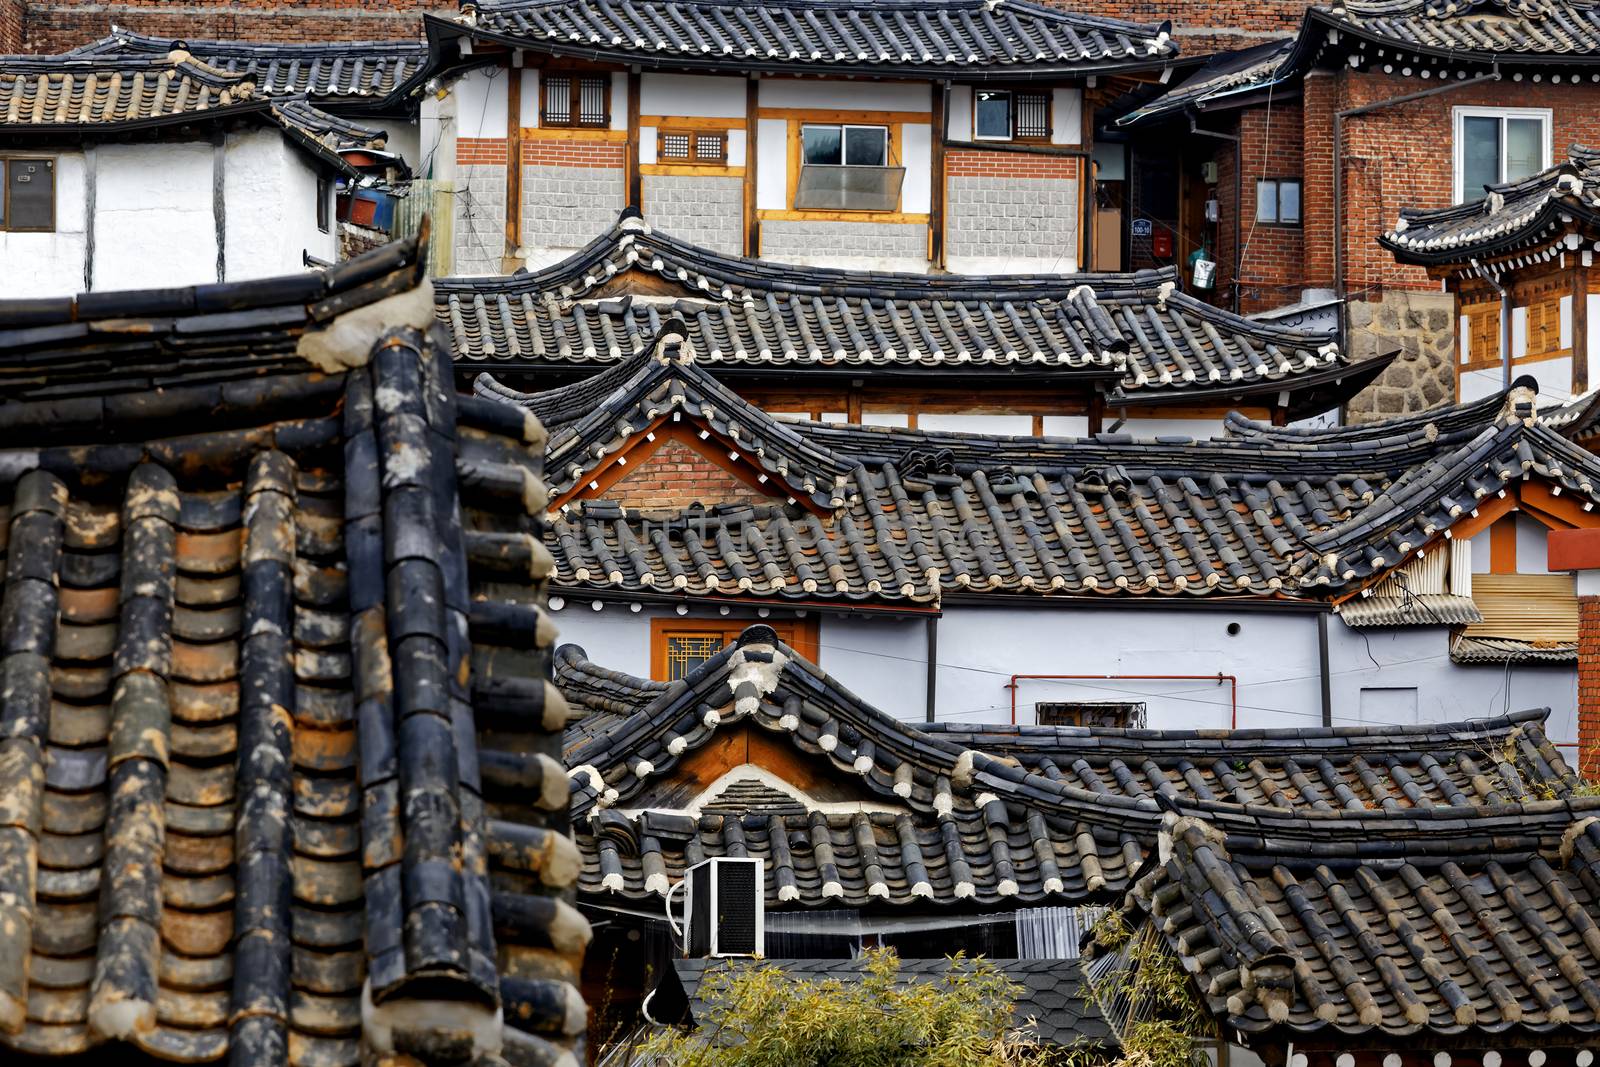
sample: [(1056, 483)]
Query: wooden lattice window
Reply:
[(574, 100), (1483, 333), (693, 146), (678, 646)]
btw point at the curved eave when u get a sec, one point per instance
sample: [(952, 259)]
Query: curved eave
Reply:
[(1310, 392), (742, 64), (1522, 239), (1453, 56)]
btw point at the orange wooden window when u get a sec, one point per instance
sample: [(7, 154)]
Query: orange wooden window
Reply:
[(575, 100), (1483, 333), (678, 646), (1544, 327), (693, 146)]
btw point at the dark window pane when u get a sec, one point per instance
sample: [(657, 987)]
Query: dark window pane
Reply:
[(993, 115), (30, 185), (1288, 201), (866, 146), (1480, 155), (2, 194), (822, 144)]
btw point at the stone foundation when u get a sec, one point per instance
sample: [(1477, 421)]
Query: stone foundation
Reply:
[(567, 207), (480, 218), (1013, 218), (1423, 375), (807, 241)]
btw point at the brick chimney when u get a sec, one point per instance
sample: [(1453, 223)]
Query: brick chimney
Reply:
[(1579, 551)]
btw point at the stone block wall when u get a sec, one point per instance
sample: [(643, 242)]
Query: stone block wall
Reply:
[(1423, 376), (567, 207), (784, 239), (480, 218), (707, 211), (1035, 218)]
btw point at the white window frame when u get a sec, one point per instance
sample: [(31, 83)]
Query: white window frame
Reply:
[(1458, 124)]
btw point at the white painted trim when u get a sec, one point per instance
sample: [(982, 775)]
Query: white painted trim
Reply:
[(1458, 114)]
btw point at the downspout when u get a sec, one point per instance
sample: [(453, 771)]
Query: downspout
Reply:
[(1322, 665), (1493, 278), (933, 666), (1238, 199), (1338, 179)]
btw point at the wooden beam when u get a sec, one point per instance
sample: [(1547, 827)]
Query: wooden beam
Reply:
[(936, 213), (1503, 545), (513, 167), (635, 182), (752, 93), (1580, 328)]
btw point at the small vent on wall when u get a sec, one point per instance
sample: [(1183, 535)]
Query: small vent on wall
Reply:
[(1099, 713)]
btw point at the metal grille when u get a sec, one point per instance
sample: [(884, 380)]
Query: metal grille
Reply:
[(593, 94), (557, 100), (736, 909), (685, 652), (1033, 115)]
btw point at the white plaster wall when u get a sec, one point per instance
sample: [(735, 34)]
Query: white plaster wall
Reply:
[(1533, 546), (1593, 355), (1554, 377), (699, 95), (1014, 425), (404, 138), (1464, 338), (481, 103), (772, 164), (528, 105), (1065, 263), (270, 206), (436, 119), (844, 95), (1274, 656), (885, 418), (50, 264), (916, 155), (619, 100), (1199, 429), (153, 222), (738, 148), (1066, 425), (959, 122), (1477, 384), (1519, 333)]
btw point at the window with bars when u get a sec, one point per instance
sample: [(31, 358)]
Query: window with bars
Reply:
[(27, 195), (693, 146), (1007, 115), (678, 646), (574, 100)]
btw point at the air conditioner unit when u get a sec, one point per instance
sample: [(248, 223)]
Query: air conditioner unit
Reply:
[(723, 911)]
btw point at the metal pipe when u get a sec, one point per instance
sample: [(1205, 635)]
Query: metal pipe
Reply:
[(1493, 279), (1219, 678), (1322, 665), (1339, 288), (1238, 200), (933, 666)]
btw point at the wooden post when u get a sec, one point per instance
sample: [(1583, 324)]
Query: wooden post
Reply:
[(513, 167), (936, 253), (1088, 205), (1097, 411), (1580, 328), (752, 99), (635, 180)]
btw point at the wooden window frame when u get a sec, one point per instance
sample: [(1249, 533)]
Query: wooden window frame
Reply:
[(1012, 137), (574, 103), (799, 634), (5, 191), (694, 158)]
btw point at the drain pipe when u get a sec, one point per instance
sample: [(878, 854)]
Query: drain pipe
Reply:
[(1339, 287), (1238, 200), (1493, 278)]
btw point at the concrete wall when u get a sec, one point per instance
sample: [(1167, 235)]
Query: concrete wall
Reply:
[(708, 211), (1402, 675), (270, 195)]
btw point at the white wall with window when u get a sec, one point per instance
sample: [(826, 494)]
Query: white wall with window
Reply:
[(1041, 115), (43, 232), (1498, 144)]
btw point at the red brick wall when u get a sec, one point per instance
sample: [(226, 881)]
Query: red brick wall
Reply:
[(677, 476), (56, 25), (1589, 687), (1272, 268), (961, 163), (1202, 26), (558, 152), (481, 151), (11, 18)]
